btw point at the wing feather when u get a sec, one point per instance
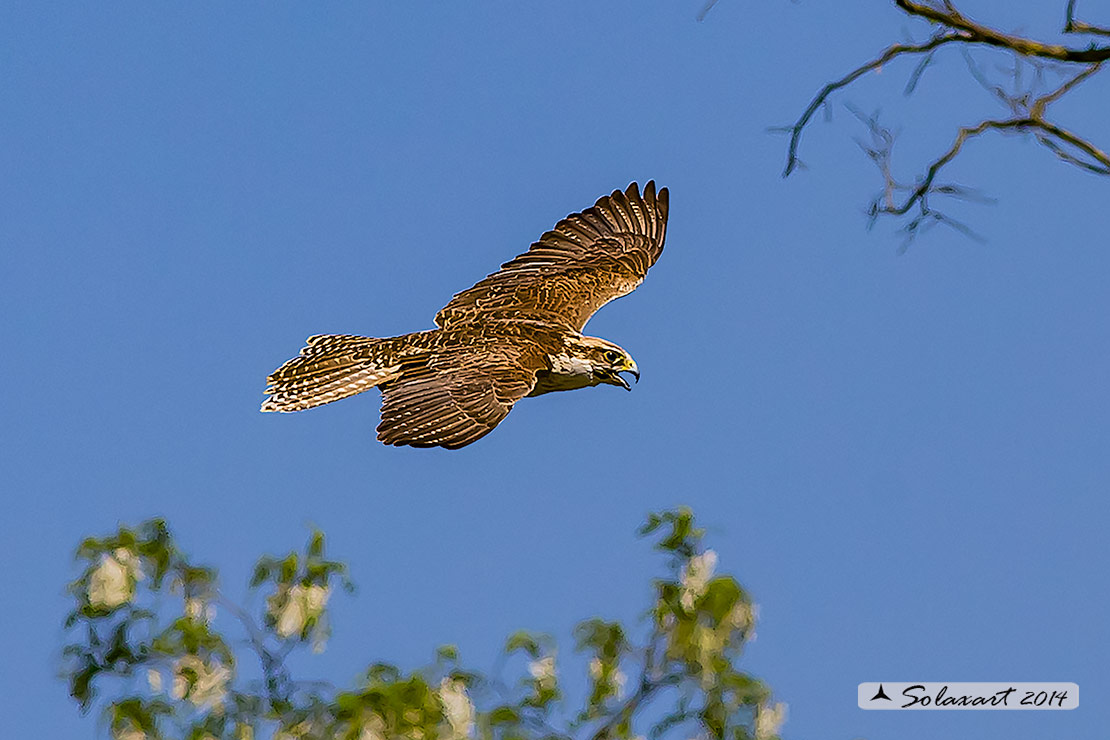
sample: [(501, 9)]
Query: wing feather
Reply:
[(587, 260), (453, 401)]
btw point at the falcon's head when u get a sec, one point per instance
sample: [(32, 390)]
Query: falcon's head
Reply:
[(604, 361)]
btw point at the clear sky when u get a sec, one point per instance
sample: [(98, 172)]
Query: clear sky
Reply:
[(902, 456)]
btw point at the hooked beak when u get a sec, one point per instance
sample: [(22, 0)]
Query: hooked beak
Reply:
[(630, 367)]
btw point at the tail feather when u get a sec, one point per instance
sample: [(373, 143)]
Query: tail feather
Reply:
[(330, 367)]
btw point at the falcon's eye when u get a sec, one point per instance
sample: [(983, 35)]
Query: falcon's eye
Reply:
[(612, 356)]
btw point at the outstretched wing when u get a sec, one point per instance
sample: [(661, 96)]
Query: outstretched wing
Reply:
[(454, 400), (589, 259)]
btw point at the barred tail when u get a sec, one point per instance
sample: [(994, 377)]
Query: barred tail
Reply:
[(331, 367)]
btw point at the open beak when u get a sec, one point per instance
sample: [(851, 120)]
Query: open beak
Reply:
[(631, 368)]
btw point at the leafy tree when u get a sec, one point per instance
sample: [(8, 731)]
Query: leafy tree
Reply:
[(145, 650)]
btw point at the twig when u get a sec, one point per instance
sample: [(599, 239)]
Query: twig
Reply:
[(911, 85), (1037, 109), (1028, 109), (648, 685), (1101, 164), (925, 186), (705, 10), (891, 52), (273, 668), (1071, 25), (978, 76), (976, 33)]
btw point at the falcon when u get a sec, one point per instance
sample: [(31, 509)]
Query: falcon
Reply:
[(517, 333)]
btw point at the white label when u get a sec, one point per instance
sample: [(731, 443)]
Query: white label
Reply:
[(967, 695)]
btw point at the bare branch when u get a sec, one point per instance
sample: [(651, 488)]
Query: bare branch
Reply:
[(1028, 103), (1042, 102), (921, 192), (986, 84), (891, 53), (911, 85), (1071, 25), (1101, 163), (705, 10), (976, 33), (919, 195)]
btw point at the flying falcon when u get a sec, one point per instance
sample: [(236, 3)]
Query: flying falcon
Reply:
[(516, 333)]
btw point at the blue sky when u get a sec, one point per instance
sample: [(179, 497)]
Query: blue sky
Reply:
[(902, 456)]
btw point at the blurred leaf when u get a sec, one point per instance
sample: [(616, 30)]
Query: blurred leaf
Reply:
[(503, 715), (525, 641), (686, 676), (316, 544)]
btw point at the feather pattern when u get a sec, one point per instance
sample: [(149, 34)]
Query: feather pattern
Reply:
[(587, 260), (453, 401), (498, 341), (329, 368)]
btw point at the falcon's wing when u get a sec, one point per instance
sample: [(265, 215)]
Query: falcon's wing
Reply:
[(453, 401), (589, 259)]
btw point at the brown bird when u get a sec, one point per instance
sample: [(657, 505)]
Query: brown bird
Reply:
[(516, 333)]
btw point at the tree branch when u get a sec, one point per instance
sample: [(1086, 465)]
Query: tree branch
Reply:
[(275, 675), (819, 100), (1101, 163), (1050, 134), (1071, 25), (624, 714), (976, 33), (925, 186), (1039, 105), (1028, 109), (648, 685)]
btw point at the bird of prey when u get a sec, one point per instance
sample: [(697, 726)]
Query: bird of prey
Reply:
[(516, 333)]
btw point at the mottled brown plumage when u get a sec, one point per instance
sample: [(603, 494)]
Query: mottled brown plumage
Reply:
[(514, 334)]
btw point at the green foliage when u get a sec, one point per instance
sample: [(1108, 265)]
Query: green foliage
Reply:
[(145, 633)]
